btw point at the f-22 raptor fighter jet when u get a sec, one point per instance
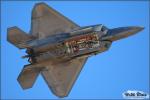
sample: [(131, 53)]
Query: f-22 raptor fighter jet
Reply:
[(57, 48)]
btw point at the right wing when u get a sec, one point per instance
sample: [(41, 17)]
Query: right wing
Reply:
[(47, 21), (61, 77)]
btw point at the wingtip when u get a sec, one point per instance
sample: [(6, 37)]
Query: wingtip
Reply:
[(62, 96), (40, 3), (39, 9)]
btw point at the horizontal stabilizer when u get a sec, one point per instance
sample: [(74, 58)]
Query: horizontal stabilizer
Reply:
[(28, 76), (18, 37)]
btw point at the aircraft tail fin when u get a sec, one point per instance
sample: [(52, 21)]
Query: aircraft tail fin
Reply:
[(28, 76), (18, 37)]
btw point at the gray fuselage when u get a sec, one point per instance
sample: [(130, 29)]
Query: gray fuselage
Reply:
[(82, 42)]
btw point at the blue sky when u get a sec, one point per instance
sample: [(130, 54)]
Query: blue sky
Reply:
[(125, 66)]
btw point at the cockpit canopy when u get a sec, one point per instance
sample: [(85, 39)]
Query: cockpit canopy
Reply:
[(101, 28), (93, 28)]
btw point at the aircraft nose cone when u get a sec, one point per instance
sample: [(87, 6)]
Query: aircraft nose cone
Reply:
[(122, 32), (135, 29)]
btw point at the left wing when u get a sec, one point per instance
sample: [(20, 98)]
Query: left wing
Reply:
[(60, 77), (46, 21)]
